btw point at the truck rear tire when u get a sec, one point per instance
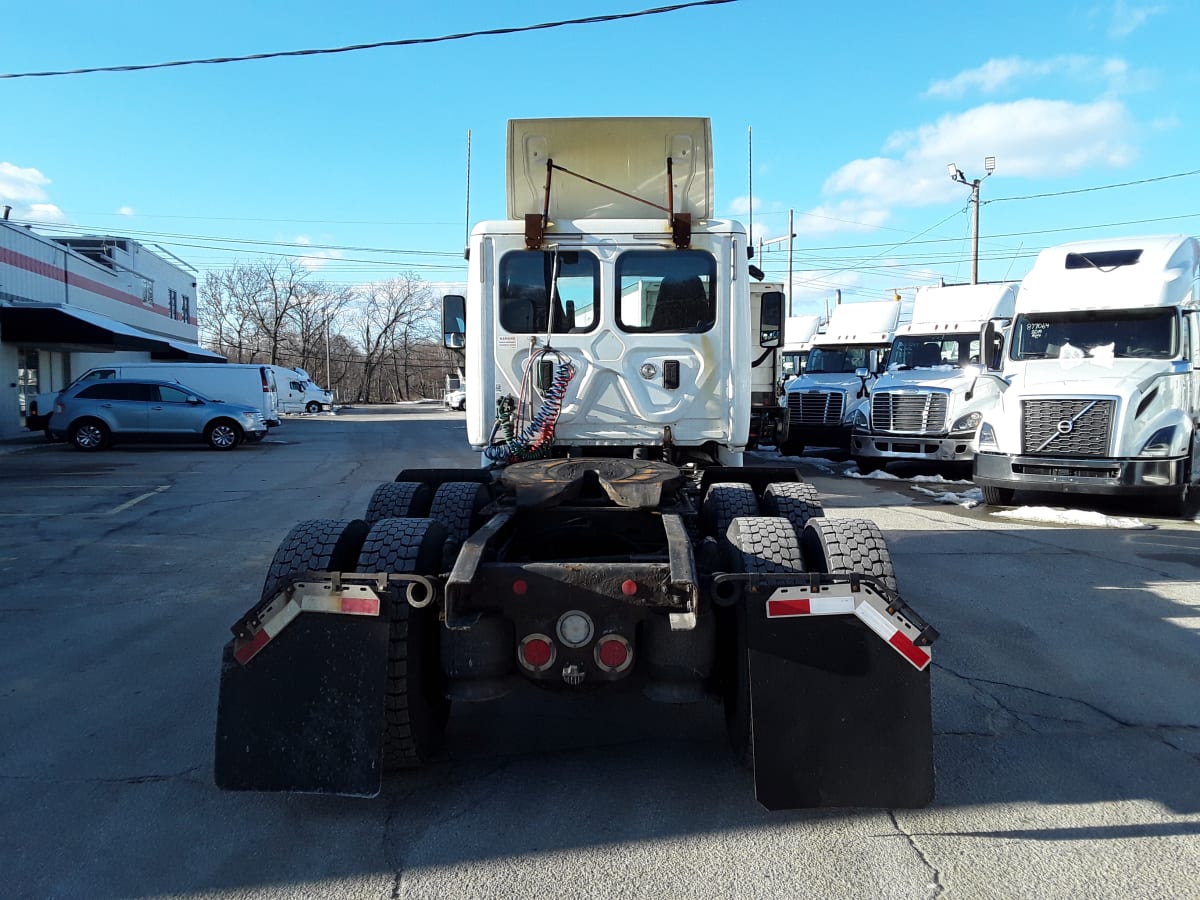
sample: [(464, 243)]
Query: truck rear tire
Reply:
[(847, 546), (456, 504), (796, 501), (723, 502), (997, 496), (759, 544), (415, 707), (398, 500), (317, 545)]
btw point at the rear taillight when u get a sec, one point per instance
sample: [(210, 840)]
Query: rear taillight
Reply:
[(613, 653), (536, 652)]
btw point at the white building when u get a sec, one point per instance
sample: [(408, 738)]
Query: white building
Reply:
[(70, 303)]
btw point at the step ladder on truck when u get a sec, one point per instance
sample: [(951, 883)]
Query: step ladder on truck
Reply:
[(612, 537)]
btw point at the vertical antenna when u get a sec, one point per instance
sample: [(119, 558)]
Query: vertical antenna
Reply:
[(750, 181), (467, 237)]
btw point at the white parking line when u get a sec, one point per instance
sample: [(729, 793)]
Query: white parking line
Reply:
[(136, 500)]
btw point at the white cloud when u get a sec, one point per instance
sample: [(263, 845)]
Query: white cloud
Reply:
[(126, 211), (1113, 74), (46, 213), (1030, 138), (24, 190), (317, 259), (739, 206), (1126, 18)]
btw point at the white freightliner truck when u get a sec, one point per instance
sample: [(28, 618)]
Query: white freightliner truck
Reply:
[(928, 404), (843, 363), (798, 335), (1100, 388), (612, 538)]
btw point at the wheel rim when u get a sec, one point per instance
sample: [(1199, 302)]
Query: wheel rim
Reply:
[(223, 436), (88, 436), (313, 407)]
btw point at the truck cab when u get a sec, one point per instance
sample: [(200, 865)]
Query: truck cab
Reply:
[(928, 404), (1100, 389), (842, 365)]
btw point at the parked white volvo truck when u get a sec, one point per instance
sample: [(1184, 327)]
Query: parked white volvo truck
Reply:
[(1100, 389), (842, 365), (928, 404)]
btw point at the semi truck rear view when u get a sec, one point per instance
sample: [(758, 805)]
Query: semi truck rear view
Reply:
[(613, 538)]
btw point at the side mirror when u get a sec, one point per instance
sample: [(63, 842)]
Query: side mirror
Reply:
[(770, 319), (991, 344), (874, 361), (194, 400), (454, 321)]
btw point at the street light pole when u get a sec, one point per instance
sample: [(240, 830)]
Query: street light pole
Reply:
[(989, 164)]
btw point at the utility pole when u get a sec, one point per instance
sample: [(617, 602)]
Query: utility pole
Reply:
[(989, 165)]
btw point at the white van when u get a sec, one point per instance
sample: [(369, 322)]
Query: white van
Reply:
[(248, 383), (298, 393)]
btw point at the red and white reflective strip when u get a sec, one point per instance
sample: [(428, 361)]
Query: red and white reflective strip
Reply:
[(866, 604), (349, 599)]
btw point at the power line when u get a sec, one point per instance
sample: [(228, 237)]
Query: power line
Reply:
[(1102, 187), (407, 42)]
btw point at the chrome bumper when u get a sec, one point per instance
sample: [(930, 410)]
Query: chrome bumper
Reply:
[(912, 446)]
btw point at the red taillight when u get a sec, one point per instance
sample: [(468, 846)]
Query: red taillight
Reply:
[(613, 653), (536, 652)]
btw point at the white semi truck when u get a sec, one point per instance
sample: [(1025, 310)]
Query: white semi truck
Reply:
[(928, 404), (798, 335), (612, 539), (1100, 387), (842, 365)]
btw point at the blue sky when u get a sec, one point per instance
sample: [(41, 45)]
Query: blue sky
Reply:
[(855, 110)]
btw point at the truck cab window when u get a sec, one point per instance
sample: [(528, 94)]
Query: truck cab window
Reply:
[(666, 291), (527, 283), (1123, 334)]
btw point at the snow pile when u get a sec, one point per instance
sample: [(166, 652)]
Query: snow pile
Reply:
[(878, 474), (1070, 517), (967, 499)]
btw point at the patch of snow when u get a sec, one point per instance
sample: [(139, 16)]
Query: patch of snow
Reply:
[(878, 475), (1070, 517), (967, 499), (938, 479)]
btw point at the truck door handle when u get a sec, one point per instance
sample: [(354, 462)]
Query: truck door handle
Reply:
[(671, 374)]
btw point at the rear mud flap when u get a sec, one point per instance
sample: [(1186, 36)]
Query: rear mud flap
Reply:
[(840, 719), (307, 713)]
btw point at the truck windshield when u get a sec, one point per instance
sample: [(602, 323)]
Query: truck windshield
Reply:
[(526, 278), (919, 351), (1124, 334), (836, 360), (666, 291), (793, 363)]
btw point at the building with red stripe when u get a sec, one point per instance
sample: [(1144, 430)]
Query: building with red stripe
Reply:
[(70, 303)]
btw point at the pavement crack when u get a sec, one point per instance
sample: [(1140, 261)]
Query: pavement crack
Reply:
[(1029, 718), (935, 882)]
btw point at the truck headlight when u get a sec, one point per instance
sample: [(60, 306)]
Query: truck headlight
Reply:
[(969, 422), (858, 419), (987, 438), (1160, 442)]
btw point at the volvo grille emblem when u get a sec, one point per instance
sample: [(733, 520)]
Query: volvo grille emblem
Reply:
[(1066, 426)]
